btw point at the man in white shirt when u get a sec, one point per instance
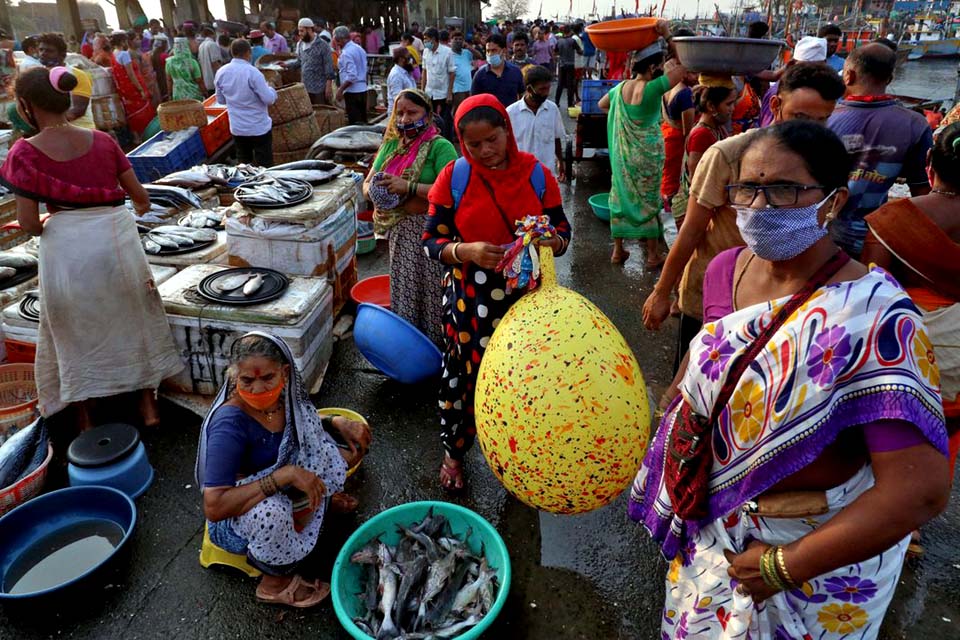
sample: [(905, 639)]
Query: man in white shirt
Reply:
[(209, 57), (245, 91), (439, 74), (537, 123), (399, 77), (31, 54), (353, 76)]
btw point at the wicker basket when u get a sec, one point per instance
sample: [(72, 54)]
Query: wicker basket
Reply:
[(292, 103), (18, 398), (329, 118), (181, 114), (298, 134), (28, 487), (273, 77), (108, 113), (283, 157)]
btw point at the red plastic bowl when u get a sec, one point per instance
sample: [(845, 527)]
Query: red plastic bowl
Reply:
[(628, 34), (374, 290)]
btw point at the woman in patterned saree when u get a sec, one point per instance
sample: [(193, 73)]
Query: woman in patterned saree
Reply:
[(811, 486), (411, 157)]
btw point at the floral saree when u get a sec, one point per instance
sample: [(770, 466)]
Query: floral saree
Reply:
[(855, 353)]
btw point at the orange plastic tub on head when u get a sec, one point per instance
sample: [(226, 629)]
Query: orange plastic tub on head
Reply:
[(628, 34)]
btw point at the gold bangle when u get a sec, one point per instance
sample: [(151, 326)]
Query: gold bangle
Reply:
[(782, 567), (768, 570), (453, 252)]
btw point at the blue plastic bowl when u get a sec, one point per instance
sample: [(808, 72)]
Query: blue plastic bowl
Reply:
[(394, 346), (600, 203), (346, 576), (132, 475), (44, 516)]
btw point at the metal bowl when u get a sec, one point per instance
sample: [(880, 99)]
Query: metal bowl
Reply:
[(727, 55)]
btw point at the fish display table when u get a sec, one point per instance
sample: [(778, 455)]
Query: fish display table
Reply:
[(204, 332)]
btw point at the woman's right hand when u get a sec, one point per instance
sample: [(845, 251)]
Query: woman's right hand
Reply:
[(655, 310), (305, 481), (482, 254)]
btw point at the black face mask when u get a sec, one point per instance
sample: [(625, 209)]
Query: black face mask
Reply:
[(536, 98)]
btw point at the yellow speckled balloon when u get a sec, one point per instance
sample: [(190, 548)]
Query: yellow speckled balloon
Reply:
[(561, 406)]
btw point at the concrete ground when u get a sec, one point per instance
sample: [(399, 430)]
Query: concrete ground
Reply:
[(590, 576)]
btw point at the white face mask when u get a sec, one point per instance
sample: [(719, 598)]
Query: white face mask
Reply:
[(778, 234)]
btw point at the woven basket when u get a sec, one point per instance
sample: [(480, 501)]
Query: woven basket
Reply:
[(292, 103), (283, 157), (18, 398), (298, 134), (273, 77), (108, 113), (329, 118), (181, 114), (28, 487)]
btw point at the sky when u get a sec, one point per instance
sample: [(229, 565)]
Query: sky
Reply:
[(581, 8)]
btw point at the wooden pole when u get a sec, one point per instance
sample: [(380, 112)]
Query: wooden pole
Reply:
[(167, 10), (70, 18), (234, 10), (123, 14)]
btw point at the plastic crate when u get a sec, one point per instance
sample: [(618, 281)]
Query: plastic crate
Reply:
[(216, 133), (20, 352), (188, 153), (212, 107), (591, 91)]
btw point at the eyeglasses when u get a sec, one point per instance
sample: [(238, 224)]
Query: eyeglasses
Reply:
[(776, 195)]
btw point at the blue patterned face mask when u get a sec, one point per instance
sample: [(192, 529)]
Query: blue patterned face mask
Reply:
[(782, 233)]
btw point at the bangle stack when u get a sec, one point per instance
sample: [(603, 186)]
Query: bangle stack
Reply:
[(411, 188), (773, 570), (268, 485)]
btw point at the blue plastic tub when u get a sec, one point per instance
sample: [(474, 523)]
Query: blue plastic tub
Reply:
[(590, 93), (394, 346), (346, 576), (185, 155), (600, 203), (40, 518)]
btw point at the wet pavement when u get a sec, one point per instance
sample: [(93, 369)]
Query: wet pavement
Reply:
[(590, 576)]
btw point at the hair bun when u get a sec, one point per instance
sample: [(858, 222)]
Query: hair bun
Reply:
[(67, 82)]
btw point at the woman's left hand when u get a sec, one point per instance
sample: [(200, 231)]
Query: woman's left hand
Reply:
[(394, 184), (554, 243), (745, 568), (357, 436)]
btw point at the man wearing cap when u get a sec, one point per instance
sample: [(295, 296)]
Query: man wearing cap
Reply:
[(809, 49), (315, 59), (273, 41), (256, 42), (353, 76)]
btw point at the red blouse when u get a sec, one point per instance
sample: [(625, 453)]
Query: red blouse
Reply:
[(90, 180)]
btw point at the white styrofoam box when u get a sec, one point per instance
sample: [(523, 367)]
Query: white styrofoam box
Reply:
[(21, 334), (162, 273), (295, 248), (200, 256), (204, 332)]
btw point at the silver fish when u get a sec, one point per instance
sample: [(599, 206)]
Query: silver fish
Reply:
[(163, 241), (17, 260), (454, 630), (253, 285), (367, 555), (388, 589), (447, 597), (6, 273), (412, 575), (197, 235), (353, 138), (471, 592), (232, 283), (151, 247), (437, 576)]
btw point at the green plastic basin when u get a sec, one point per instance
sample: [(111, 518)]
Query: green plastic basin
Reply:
[(346, 576), (600, 203)]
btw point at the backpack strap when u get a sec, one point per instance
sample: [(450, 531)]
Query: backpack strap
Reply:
[(460, 177), (458, 180)]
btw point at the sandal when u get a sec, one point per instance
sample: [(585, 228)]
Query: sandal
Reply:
[(451, 475), (343, 503), (287, 596)]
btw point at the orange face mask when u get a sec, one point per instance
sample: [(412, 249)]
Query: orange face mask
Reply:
[(264, 400)]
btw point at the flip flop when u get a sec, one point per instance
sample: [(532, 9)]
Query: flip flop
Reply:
[(287, 596)]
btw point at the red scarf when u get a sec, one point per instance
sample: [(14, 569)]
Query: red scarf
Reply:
[(495, 200)]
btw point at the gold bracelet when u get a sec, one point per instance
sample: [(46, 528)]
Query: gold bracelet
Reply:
[(782, 567), (768, 570), (453, 252)]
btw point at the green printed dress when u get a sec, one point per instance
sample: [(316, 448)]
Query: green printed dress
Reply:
[(636, 162)]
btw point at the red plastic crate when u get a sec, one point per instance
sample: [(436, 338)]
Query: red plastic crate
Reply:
[(20, 352), (216, 133), (212, 107)]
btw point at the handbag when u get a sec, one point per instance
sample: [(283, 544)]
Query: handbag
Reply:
[(689, 450)]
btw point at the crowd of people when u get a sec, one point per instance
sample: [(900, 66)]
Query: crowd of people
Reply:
[(810, 386)]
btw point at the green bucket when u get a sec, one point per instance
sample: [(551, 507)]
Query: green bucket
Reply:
[(346, 576)]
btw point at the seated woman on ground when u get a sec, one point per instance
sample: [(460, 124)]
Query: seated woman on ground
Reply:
[(270, 467)]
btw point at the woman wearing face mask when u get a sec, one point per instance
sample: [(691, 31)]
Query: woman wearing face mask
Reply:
[(270, 468), (636, 150), (715, 98), (810, 403), (411, 157), (468, 240), (100, 308)]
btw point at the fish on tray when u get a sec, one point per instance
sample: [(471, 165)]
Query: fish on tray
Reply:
[(202, 219), (18, 260), (270, 191), (177, 196), (430, 585), (232, 283), (354, 137)]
